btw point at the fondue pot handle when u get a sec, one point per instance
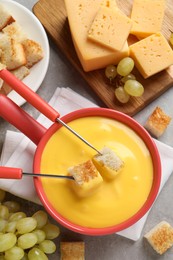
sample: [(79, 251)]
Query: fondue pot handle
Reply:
[(29, 95), (10, 173), (21, 120)]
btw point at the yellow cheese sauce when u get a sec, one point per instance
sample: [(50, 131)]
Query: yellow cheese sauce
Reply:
[(116, 200)]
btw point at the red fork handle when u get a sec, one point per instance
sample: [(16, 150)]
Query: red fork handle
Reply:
[(21, 120), (10, 173), (29, 95)]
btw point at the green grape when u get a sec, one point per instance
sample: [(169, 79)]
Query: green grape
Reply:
[(134, 88), (27, 240), (2, 195), (12, 206), (7, 241), (129, 76), (36, 254), (3, 224), (17, 216), (40, 235), (125, 66), (26, 225), (51, 231), (25, 257), (111, 72), (14, 253), (4, 212), (47, 246), (11, 227), (122, 95), (41, 218)]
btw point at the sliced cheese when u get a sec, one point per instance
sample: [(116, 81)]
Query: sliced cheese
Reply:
[(91, 55), (147, 17), (109, 3), (110, 28), (152, 54)]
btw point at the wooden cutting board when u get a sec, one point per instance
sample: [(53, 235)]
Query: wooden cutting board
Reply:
[(52, 15)]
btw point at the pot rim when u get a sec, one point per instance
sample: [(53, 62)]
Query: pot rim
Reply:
[(142, 133)]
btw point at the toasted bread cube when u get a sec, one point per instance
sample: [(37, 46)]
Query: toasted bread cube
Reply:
[(33, 52), (87, 178), (1, 83), (5, 17), (157, 122), (2, 66), (110, 28), (160, 237), (19, 73), (12, 54), (72, 250), (108, 163), (14, 31)]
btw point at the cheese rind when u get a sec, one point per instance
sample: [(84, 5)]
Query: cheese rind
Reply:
[(152, 54), (91, 55), (110, 28), (147, 17)]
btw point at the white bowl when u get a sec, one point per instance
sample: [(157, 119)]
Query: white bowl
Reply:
[(35, 31)]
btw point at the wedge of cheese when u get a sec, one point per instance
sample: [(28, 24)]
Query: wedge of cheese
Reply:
[(92, 56), (87, 179), (110, 28), (147, 17), (152, 54)]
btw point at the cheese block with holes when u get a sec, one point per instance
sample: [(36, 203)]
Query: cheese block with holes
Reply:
[(92, 56), (152, 54), (110, 28)]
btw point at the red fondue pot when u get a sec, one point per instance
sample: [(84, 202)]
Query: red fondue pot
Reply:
[(40, 136)]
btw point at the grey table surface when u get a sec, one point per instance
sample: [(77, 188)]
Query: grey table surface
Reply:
[(112, 247)]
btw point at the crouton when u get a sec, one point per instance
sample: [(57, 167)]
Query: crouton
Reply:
[(14, 31), (87, 178), (12, 55), (108, 163), (5, 18), (20, 73), (33, 52), (72, 250), (2, 66), (160, 237), (157, 122)]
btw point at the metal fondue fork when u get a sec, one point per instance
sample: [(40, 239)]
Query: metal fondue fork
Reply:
[(35, 100), (17, 173)]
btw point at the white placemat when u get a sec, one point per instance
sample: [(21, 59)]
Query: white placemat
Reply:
[(18, 151)]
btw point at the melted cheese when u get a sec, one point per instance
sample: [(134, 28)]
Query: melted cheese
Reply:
[(115, 200)]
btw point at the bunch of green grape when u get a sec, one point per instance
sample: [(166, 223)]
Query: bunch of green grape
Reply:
[(126, 84), (23, 237)]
